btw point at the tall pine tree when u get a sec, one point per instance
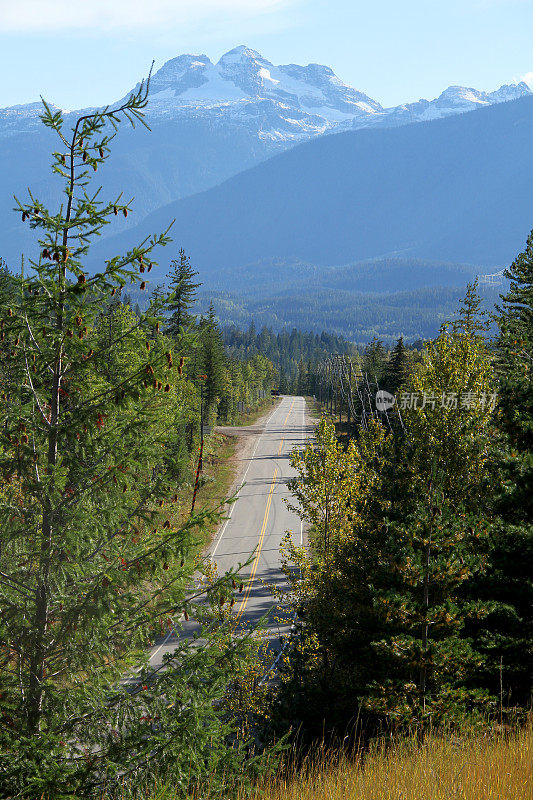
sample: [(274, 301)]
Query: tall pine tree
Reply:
[(212, 358), (91, 556), (373, 362), (182, 294), (396, 369), (506, 637)]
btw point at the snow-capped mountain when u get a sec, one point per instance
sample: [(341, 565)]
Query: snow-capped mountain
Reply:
[(289, 103), (454, 100), (285, 103), (280, 104), (209, 121)]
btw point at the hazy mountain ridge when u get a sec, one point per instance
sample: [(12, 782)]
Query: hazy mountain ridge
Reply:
[(209, 122), (357, 316), (453, 100), (445, 190)]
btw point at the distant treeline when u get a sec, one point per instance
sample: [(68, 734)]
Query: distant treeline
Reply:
[(355, 315), (291, 353), (297, 355)]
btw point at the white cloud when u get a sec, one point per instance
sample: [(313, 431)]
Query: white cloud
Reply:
[(527, 78), (55, 15)]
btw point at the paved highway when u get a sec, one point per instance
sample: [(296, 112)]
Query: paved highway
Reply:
[(259, 518)]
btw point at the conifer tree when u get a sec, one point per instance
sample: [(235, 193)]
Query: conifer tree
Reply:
[(387, 616), (437, 532), (396, 369), (302, 383), (182, 294), (7, 295), (506, 636), (471, 314), (92, 561), (212, 357), (374, 360)]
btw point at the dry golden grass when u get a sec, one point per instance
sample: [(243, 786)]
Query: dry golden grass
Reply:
[(443, 768)]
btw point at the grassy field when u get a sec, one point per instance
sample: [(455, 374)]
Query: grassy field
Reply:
[(450, 768), (489, 767)]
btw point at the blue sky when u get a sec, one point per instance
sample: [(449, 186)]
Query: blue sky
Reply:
[(84, 52)]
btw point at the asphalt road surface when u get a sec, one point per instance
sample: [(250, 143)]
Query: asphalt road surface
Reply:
[(259, 518)]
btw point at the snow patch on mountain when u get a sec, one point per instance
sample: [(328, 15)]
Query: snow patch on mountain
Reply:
[(290, 101)]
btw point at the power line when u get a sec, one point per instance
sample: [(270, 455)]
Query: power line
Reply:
[(338, 379)]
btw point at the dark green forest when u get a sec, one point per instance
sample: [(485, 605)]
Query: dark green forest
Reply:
[(409, 609), (349, 312), (415, 600), (293, 354)]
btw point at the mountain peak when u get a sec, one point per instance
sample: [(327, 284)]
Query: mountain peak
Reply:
[(462, 94), (177, 66), (241, 55), (292, 102), (510, 92), (279, 104)]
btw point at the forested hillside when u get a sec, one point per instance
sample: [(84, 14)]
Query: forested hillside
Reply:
[(347, 313), (444, 190), (294, 354), (401, 623)]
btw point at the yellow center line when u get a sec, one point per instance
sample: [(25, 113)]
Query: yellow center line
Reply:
[(259, 548), (288, 415), (246, 597)]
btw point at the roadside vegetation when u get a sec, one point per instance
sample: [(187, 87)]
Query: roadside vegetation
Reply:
[(490, 767), (408, 669), (99, 451), (494, 766), (414, 602)]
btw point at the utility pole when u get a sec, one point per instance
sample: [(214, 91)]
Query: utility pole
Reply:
[(201, 456), (202, 422), (348, 412)]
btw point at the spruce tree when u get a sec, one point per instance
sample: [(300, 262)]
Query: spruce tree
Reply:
[(396, 369), (182, 294), (302, 383), (374, 360), (471, 314), (387, 615), (92, 560), (506, 637), (212, 358), (437, 533)]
